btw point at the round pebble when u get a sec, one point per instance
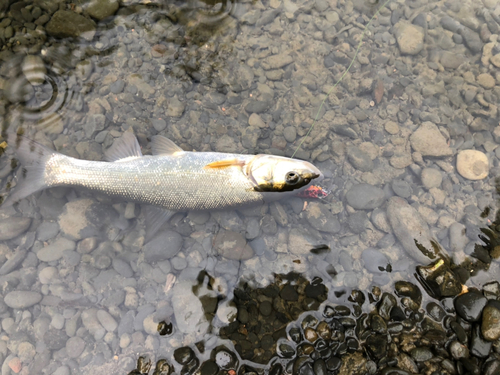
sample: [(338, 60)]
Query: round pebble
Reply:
[(21, 299), (75, 346), (431, 178), (472, 164)]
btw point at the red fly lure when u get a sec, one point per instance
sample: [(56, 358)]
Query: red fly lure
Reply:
[(314, 192)]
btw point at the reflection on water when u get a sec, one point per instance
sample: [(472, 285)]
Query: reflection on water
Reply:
[(408, 143)]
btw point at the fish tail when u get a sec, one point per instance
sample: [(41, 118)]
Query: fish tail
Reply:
[(31, 176)]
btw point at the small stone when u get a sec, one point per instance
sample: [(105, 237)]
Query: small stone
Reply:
[(375, 261), (233, 245), (183, 355), (175, 108), (107, 321), (365, 197), (162, 247), (320, 218), (34, 69), (431, 178), (490, 325), (75, 346), (101, 9), (486, 80), (290, 134), (64, 24), (256, 120), (55, 250), (15, 365), (472, 164), (410, 37), (391, 127), (22, 299), (12, 227), (429, 141)]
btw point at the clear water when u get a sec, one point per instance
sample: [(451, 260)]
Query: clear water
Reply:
[(241, 77)]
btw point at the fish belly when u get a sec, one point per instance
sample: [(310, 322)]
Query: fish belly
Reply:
[(176, 183)]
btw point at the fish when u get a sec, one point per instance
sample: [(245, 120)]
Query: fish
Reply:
[(168, 181)]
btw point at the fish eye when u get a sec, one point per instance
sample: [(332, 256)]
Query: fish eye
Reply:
[(292, 178)]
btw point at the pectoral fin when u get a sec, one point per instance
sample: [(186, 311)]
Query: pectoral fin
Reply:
[(225, 163)]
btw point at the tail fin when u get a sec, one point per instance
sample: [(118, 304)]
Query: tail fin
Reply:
[(31, 175)]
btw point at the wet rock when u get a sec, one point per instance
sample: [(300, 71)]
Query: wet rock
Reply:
[(233, 245), (479, 347), (438, 280), (412, 231), (184, 355), (472, 164), (68, 24), (12, 227), (490, 324), (101, 9), (365, 197), (471, 39), (163, 246), (387, 302), (320, 218), (421, 354), (429, 141), (407, 289), (435, 311), (469, 306), (410, 37), (21, 299)]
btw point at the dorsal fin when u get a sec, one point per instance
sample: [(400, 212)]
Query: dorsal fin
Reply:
[(163, 146), (123, 148)]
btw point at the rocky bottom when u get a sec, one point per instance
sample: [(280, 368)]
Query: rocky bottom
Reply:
[(373, 333)]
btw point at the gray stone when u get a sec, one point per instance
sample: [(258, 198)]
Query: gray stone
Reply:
[(359, 159), (321, 218), (107, 321), (75, 346), (290, 134), (47, 230), (429, 141), (67, 24), (233, 245), (55, 250), (117, 86), (164, 246), (13, 262), (12, 227), (412, 231), (122, 267), (159, 124), (101, 9), (22, 299), (431, 178), (175, 108), (458, 237), (374, 260), (365, 197), (188, 310), (410, 37)]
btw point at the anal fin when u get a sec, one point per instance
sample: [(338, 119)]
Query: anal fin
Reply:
[(155, 218)]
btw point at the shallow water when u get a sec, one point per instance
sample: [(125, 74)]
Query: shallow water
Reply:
[(393, 139)]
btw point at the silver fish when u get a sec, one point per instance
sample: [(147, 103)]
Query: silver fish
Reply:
[(171, 179)]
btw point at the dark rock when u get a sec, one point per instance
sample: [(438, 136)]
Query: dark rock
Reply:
[(470, 305), (435, 311), (377, 345), (184, 355), (288, 293), (479, 346), (421, 354), (387, 302), (405, 288), (438, 280), (490, 324), (64, 24)]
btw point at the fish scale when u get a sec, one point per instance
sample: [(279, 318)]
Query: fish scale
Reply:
[(176, 183)]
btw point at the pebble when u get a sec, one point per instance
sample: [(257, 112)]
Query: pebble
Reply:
[(431, 178), (410, 37), (490, 324), (365, 197), (409, 226), (184, 301), (47, 230), (21, 299), (75, 346), (12, 227), (102, 9), (472, 164), (34, 69), (13, 262), (55, 250), (68, 24), (320, 218), (374, 260), (107, 321), (233, 245), (163, 246), (429, 141)]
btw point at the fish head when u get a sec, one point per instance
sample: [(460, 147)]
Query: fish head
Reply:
[(270, 173)]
